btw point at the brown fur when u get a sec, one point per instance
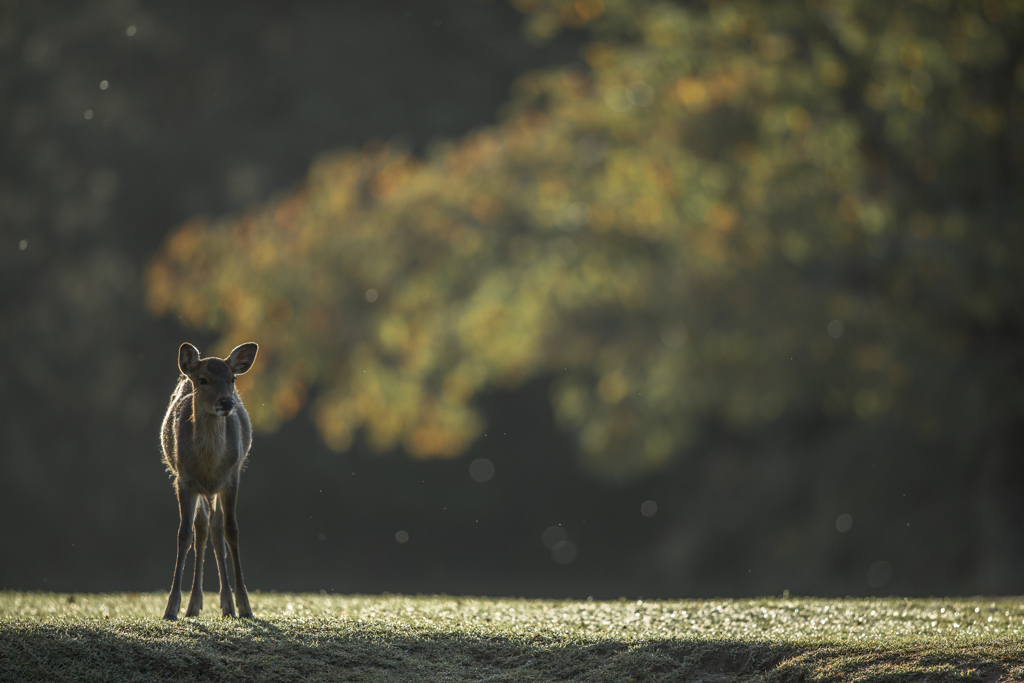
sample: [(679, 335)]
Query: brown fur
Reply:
[(206, 437)]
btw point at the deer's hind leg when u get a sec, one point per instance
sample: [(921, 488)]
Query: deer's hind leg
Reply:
[(202, 526), (227, 604), (228, 500)]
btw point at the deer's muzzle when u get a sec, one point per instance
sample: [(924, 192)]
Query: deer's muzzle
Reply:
[(225, 406)]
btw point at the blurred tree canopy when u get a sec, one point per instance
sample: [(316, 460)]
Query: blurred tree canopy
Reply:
[(732, 213)]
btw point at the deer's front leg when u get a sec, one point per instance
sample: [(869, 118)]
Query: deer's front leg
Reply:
[(187, 510), (202, 526), (228, 498)]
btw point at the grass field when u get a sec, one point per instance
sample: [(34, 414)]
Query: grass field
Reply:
[(120, 637)]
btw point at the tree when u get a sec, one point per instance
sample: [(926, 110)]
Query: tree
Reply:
[(734, 211)]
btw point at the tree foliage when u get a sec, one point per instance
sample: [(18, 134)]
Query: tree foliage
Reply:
[(734, 211)]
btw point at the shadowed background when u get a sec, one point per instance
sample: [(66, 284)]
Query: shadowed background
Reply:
[(843, 409)]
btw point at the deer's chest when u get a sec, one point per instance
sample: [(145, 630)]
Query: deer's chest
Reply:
[(213, 459)]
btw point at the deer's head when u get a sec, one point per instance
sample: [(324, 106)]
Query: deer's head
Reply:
[(213, 379)]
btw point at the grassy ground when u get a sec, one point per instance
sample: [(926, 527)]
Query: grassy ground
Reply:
[(51, 637)]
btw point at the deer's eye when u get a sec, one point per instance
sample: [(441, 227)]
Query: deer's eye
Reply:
[(232, 380), (202, 380)]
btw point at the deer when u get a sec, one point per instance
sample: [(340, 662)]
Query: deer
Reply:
[(205, 439)]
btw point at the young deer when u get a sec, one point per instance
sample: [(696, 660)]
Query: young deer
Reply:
[(206, 437)]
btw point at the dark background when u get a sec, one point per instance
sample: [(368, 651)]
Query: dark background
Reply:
[(211, 107)]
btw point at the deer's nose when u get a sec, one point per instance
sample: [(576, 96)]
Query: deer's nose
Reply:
[(227, 404)]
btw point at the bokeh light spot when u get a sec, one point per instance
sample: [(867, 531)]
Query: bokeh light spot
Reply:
[(618, 98), (402, 536), (552, 536), (575, 215), (649, 508), (844, 523), (692, 93), (564, 552), (674, 336), (836, 329), (640, 94), (482, 470)]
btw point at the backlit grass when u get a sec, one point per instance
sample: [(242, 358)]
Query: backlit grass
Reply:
[(52, 637)]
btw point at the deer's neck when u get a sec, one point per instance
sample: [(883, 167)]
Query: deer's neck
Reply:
[(209, 433)]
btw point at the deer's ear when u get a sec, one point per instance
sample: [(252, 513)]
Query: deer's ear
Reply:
[(242, 358), (188, 358)]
